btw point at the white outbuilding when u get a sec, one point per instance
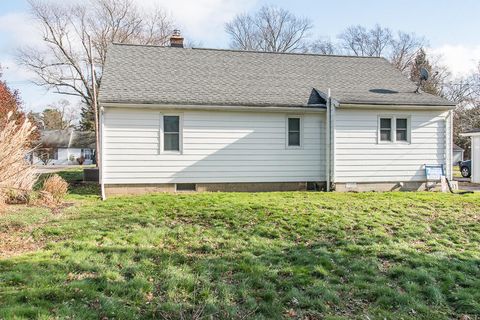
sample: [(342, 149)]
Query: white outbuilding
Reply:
[(475, 149)]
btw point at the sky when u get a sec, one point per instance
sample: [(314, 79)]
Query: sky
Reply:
[(452, 28)]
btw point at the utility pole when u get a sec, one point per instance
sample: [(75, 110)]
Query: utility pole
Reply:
[(94, 105)]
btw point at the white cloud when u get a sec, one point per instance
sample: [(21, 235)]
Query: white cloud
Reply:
[(203, 20), (461, 60), (18, 29)]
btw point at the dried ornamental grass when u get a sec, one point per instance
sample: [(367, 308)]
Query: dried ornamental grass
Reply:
[(17, 175), (56, 186)]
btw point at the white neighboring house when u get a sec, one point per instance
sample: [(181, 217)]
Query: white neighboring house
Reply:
[(206, 119), (65, 147), (457, 155), (474, 135)]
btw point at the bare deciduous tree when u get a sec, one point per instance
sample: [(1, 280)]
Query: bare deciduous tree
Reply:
[(400, 49), (465, 92), (359, 41), (271, 29), (324, 46), (62, 62), (404, 48), (59, 116)]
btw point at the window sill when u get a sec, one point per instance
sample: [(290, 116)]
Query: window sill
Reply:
[(394, 142)]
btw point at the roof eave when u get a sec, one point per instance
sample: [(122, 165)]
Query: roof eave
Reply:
[(470, 134), (219, 107), (390, 105)]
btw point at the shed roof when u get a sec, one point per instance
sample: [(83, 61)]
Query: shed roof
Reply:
[(472, 132), (167, 75), (457, 148)]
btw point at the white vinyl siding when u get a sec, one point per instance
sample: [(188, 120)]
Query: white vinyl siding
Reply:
[(359, 157), (218, 147)]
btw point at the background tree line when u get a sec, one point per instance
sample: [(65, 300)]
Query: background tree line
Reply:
[(62, 62)]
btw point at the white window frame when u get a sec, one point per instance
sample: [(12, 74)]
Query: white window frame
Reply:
[(180, 134), (301, 131), (82, 152), (393, 135)]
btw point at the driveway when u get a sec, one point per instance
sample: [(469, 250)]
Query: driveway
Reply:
[(52, 169), (465, 184)]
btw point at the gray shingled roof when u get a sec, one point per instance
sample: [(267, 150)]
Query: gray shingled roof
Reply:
[(474, 130), (165, 75), (68, 139), (55, 138)]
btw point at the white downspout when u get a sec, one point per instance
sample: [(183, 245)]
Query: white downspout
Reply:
[(449, 151), (332, 142), (102, 154), (327, 141)]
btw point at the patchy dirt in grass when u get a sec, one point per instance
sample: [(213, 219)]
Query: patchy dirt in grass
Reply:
[(16, 238), (14, 244)]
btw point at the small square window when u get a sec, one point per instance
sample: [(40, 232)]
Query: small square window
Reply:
[(402, 123), (294, 127)]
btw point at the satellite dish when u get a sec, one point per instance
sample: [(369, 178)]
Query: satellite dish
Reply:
[(424, 74), (423, 77)]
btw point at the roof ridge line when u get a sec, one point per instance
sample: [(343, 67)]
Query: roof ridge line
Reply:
[(247, 51)]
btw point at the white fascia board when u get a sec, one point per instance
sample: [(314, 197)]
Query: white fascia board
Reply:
[(470, 134), (393, 107), (306, 109)]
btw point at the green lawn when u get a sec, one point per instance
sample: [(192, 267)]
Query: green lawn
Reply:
[(295, 255)]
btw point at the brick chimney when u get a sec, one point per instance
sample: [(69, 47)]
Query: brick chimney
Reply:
[(176, 39)]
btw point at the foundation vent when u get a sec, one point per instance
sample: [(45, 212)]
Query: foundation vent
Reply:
[(179, 187)]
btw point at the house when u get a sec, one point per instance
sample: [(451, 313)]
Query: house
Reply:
[(65, 147), (176, 118), (474, 134), (457, 154)]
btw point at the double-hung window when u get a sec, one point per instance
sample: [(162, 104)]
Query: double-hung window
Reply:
[(385, 129), (393, 129), (401, 129), (171, 133), (294, 132)]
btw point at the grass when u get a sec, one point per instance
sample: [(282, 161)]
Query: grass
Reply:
[(294, 255)]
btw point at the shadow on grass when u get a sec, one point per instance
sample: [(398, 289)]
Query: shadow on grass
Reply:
[(209, 281)]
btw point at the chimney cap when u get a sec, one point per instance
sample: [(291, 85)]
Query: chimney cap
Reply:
[(176, 39)]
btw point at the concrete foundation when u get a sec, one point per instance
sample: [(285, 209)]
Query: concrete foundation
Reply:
[(136, 189), (252, 187), (381, 186)]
